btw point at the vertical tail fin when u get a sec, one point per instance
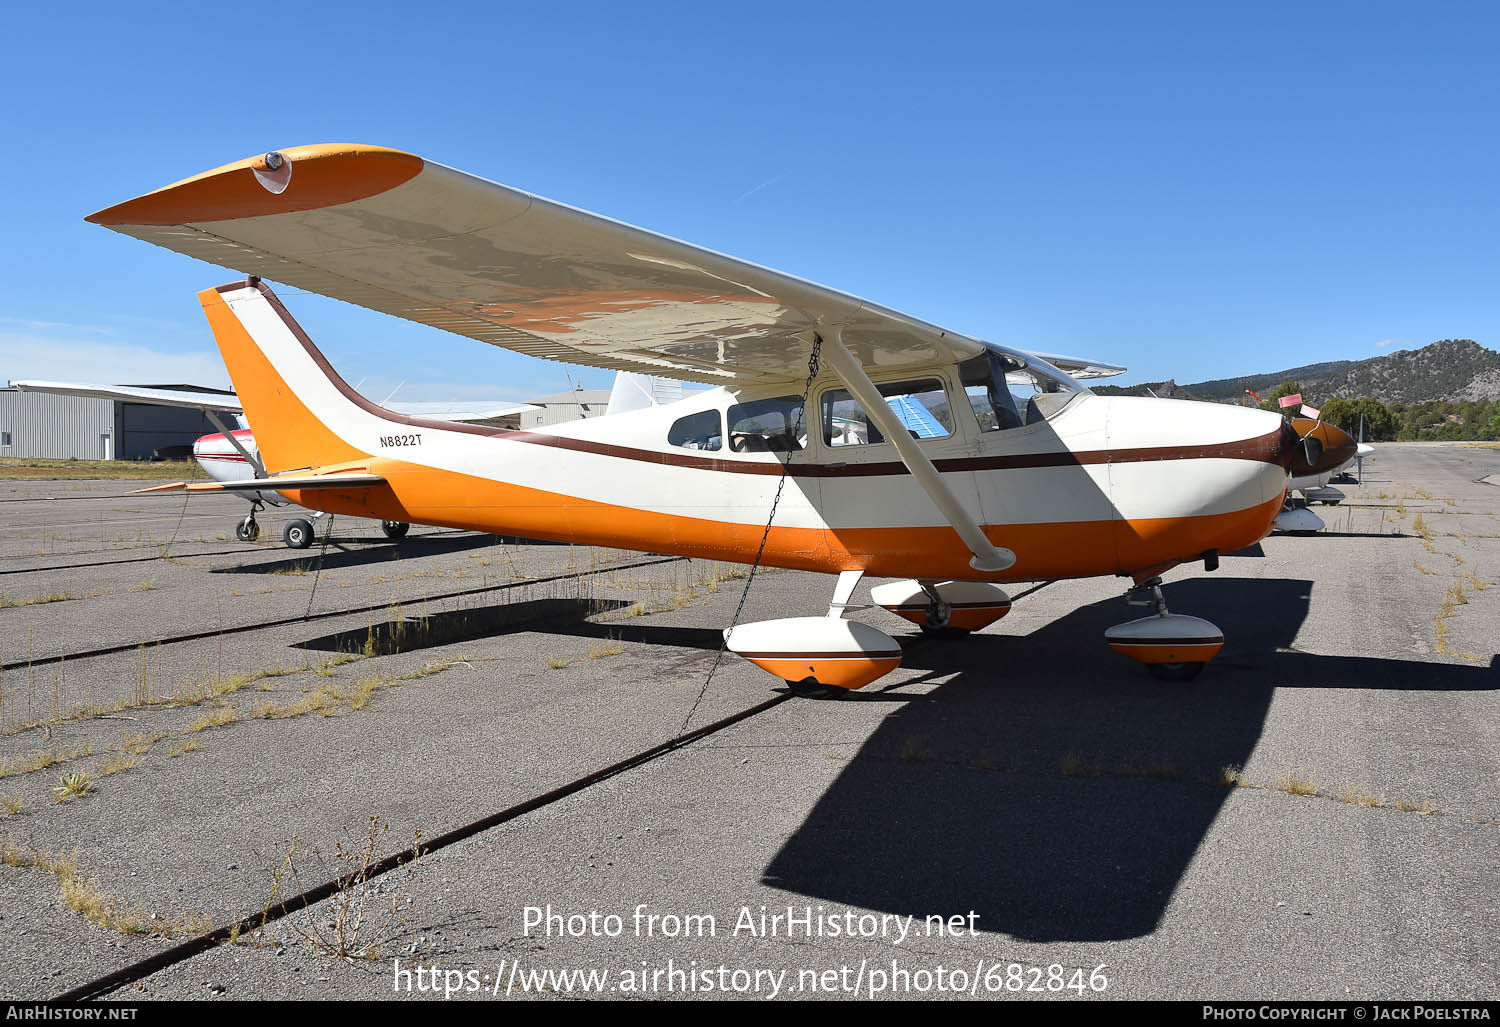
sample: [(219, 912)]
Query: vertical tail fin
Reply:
[(301, 411)]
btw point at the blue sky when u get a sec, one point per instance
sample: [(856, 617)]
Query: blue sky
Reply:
[(1195, 190)]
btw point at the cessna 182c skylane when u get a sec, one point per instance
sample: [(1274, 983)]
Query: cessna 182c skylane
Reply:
[(990, 490)]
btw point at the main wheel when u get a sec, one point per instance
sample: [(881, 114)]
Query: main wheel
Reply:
[(1175, 671), (298, 533), (395, 529), (247, 530), (944, 632), (811, 688)]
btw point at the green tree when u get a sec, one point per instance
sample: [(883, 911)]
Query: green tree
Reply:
[(1284, 389)]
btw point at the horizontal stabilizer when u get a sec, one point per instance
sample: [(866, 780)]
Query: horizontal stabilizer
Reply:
[(276, 483)]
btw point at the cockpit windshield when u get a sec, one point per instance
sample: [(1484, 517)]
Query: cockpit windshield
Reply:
[(1009, 389)]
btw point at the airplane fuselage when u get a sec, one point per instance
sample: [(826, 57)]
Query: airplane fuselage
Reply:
[(1107, 485)]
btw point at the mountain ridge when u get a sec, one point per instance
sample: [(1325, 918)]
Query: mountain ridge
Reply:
[(1449, 370)]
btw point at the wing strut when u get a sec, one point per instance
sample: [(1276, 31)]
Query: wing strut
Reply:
[(255, 465), (987, 557)]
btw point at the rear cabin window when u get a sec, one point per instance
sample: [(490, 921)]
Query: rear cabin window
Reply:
[(768, 426), (702, 430), (921, 406)]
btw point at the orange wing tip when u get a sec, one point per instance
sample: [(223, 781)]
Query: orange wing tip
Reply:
[(304, 178)]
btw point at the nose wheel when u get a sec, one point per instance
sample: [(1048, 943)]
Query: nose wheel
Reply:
[(248, 530), (1173, 646), (395, 529)]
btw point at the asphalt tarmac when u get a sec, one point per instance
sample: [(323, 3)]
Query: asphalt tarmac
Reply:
[(1020, 813)]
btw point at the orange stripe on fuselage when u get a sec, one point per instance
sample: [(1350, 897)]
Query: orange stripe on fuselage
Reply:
[(425, 495)]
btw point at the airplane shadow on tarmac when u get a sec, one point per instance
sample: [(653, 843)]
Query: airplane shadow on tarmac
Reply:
[(370, 551), (1055, 788), (1049, 785)]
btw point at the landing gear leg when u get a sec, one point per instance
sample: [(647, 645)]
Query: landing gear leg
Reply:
[(938, 622), (248, 530), (1173, 646)]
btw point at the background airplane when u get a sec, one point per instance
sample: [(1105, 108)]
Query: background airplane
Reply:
[(231, 453)]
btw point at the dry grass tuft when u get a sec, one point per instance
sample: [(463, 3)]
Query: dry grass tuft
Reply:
[(1455, 598), (1295, 782), (1361, 796), (319, 701), (137, 745), (118, 762), (557, 662), (362, 917), (1231, 775), (51, 597), (215, 718), (87, 899), (325, 666), (1414, 806), (42, 760)]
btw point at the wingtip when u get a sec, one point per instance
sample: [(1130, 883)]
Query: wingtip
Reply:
[(278, 182)]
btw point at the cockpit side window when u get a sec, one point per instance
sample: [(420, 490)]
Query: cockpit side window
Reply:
[(1007, 393), (984, 384), (922, 407), (702, 430), (768, 426)]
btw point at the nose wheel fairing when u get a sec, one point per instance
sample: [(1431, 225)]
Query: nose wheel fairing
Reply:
[(1171, 645)]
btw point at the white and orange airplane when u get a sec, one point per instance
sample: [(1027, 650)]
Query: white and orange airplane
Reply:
[(231, 453), (977, 488)]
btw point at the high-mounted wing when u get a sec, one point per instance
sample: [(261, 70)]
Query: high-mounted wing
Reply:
[(1082, 368), (390, 231)]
